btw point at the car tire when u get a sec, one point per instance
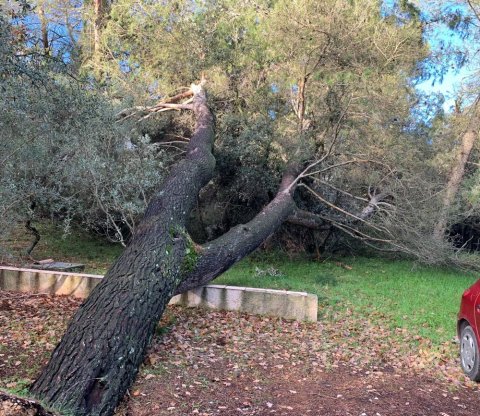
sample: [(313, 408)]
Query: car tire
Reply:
[(469, 353)]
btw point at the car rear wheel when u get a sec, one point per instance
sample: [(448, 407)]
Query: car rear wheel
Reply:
[(469, 353)]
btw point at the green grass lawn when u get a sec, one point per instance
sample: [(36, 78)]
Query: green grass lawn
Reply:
[(392, 294), (77, 246), (74, 246)]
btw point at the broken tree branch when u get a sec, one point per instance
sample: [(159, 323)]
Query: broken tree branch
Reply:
[(307, 219)]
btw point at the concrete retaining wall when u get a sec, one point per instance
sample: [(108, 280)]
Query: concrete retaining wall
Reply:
[(43, 281), (300, 306)]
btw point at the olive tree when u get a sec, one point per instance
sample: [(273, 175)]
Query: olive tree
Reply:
[(63, 155)]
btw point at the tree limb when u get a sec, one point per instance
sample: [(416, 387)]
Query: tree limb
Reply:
[(33, 230), (36, 234), (360, 217), (168, 103), (307, 219), (218, 255)]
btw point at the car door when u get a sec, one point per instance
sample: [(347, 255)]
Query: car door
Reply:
[(476, 315)]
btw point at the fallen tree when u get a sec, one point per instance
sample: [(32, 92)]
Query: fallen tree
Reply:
[(98, 357)]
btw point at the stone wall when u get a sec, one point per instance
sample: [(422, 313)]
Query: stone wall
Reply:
[(300, 306)]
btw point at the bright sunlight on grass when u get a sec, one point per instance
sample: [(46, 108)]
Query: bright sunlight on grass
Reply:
[(396, 294)]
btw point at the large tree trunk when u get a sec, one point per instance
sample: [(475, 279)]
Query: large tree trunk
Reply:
[(99, 355), (104, 345), (457, 173), (101, 9), (44, 28)]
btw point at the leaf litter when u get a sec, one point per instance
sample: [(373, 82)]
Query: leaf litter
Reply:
[(204, 362)]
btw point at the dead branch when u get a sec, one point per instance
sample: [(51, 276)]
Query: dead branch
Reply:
[(348, 162), (36, 234), (307, 219), (170, 103), (348, 214), (32, 230), (162, 107), (340, 190), (372, 206), (176, 98)]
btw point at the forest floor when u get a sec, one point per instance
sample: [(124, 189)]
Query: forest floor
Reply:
[(224, 363)]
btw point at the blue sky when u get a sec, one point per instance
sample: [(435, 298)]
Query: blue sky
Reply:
[(449, 87), (440, 37)]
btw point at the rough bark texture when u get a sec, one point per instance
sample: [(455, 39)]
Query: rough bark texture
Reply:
[(220, 254), (44, 28), (308, 220), (457, 173), (99, 355), (101, 10), (372, 206)]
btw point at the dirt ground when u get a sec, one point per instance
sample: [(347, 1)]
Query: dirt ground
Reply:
[(337, 392), (223, 363)]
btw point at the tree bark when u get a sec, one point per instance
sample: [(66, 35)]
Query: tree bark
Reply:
[(308, 220), (101, 8), (457, 173), (99, 355), (44, 29), (219, 255)]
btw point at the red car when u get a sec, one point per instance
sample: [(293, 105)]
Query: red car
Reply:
[(468, 329)]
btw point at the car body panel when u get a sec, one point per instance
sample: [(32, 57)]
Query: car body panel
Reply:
[(476, 309), (470, 309)]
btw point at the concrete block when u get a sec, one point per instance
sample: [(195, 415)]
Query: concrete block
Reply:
[(295, 309), (233, 298), (26, 280), (73, 285), (176, 300), (10, 279), (311, 308), (218, 286), (254, 302), (194, 297), (260, 290), (214, 296), (46, 283), (50, 282), (289, 305), (274, 304)]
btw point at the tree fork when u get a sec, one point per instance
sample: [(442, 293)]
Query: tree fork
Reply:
[(104, 345), (98, 357)]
